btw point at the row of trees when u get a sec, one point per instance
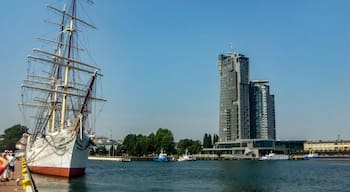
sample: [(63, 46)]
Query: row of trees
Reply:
[(141, 145), (208, 141)]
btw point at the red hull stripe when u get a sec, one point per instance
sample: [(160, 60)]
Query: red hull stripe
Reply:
[(57, 171)]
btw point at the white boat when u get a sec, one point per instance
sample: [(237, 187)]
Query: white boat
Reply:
[(273, 156), (57, 94), (187, 157)]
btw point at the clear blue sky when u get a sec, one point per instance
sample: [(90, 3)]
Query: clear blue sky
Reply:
[(159, 58)]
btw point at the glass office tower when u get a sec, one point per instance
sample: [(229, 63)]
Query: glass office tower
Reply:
[(234, 97)]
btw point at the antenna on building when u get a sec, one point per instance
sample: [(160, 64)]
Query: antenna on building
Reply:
[(110, 134), (231, 47)]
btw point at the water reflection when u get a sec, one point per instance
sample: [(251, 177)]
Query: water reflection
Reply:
[(245, 176), (59, 184)]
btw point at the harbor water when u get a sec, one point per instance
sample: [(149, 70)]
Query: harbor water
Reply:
[(257, 176)]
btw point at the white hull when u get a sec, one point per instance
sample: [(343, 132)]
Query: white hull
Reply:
[(273, 156), (60, 154), (186, 158)]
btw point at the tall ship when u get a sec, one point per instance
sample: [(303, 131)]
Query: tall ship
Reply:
[(59, 97)]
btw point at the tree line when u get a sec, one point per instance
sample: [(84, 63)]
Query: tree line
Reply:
[(151, 145)]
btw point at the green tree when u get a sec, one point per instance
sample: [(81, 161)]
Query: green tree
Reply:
[(193, 147), (182, 145), (151, 139), (215, 138), (207, 142), (129, 144), (165, 141), (10, 137), (141, 145)]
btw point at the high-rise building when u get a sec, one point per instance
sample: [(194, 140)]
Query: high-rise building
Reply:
[(247, 112), (262, 111), (234, 97)]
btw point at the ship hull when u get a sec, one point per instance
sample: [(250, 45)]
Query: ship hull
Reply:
[(58, 171), (61, 154)]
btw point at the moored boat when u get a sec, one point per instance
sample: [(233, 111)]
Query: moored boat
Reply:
[(186, 157), (273, 156), (58, 93), (162, 157)]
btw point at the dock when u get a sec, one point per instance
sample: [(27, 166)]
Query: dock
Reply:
[(12, 185), (22, 181)]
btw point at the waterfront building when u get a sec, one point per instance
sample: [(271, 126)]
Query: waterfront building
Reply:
[(234, 97), (247, 111), (289, 146), (107, 143), (327, 146), (242, 148), (262, 111)]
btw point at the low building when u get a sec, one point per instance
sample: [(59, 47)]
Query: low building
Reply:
[(107, 144), (243, 148), (254, 148), (327, 146)]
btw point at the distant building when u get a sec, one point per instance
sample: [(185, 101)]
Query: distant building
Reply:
[(234, 97), (247, 110), (262, 111), (106, 143), (327, 146)]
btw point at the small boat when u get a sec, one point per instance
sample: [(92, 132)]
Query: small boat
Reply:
[(273, 156), (162, 157), (186, 157), (311, 156)]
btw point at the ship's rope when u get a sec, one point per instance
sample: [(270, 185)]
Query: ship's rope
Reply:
[(58, 148), (48, 143)]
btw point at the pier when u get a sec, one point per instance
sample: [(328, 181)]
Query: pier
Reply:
[(22, 179), (16, 184)]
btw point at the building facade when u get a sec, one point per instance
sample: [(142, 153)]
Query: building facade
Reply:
[(247, 111), (234, 97), (262, 111), (327, 146)]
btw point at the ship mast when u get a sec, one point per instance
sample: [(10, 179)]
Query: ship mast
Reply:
[(57, 75), (61, 92), (67, 68)]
